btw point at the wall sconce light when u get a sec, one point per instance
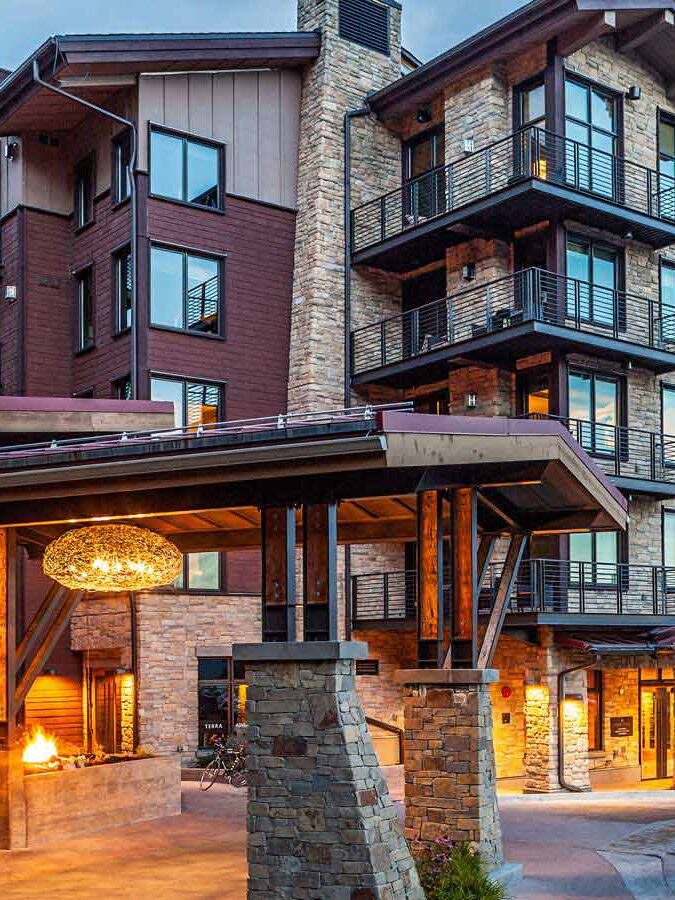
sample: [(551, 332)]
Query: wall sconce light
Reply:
[(423, 115), (469, 272), (469, 144), (471, 401), (634, 92), (49, 670)]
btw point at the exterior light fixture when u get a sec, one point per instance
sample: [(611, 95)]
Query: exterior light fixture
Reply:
[(423, 115), (634, 92), (469, 271), (112, 558)]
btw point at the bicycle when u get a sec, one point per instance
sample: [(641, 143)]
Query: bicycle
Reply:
[(228, 765)]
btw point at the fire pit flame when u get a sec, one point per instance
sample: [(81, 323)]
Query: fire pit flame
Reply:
[(40, 748)]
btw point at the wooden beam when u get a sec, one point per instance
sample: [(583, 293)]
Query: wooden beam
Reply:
[(506, 582), (600, 25), (638, 34), (486, 548), (41, 623), (278, 573), (464, 578), (320, 620), (70, 599), (429, 578), (498, 511)]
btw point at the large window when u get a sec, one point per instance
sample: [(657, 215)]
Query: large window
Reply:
[(186, 169), (201, 572), (194, 402), (221, 698), (594, 556), (85, 310), (591, 121), (121, 180), (669, 538), (185, 291), (84, 192), (666, 166), (668, 423), (594, 404), (122, 287), (530, 104), (595, 273)]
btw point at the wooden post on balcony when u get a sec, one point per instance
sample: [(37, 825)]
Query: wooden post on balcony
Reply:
[(278, 573), (320, 606), (12, 802), (464, 578), (429, 578)]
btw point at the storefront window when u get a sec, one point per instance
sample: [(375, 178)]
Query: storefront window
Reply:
[(221, 698)]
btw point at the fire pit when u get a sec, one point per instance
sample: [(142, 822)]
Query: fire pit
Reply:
[(67, 794)]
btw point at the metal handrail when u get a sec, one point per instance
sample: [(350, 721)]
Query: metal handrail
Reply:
[(529, 153), (527, 295), (389, 596)]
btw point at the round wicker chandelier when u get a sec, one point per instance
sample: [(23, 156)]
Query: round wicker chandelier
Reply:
[(112, 558)]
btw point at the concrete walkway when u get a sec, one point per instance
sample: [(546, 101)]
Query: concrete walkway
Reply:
[(571, 845)]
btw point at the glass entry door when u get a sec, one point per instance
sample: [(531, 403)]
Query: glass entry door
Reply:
[(656, 722)]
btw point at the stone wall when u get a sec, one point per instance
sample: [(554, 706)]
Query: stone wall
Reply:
[(621, 698), (394, 649)]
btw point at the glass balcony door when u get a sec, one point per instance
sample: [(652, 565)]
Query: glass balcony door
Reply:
[(594, 405), (656, 716), (591, 122), (592, 293), (424, 176), (666, 167)]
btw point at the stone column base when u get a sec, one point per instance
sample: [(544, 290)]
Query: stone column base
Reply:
[(450, 780), (320, 819), (12, 800)]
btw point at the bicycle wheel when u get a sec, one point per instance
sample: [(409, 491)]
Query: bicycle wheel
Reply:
[(239, 780), (211, 774)]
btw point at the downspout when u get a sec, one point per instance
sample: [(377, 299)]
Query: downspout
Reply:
[(133, 625), (561, 724), (133, 196), (347, 201)]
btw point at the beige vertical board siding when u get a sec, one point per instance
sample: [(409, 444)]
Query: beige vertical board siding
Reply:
[(246, 115), (11, 178), (255, 114)]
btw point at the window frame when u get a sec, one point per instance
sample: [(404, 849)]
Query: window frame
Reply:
[(663, 115), (232, 682), (519, 90), (593, 583), (621, 405), (82, 276), (185, 587), (572, 236), (121, 142), (187, 379), (84, 170), (220, 259), (118, 383), (116, 256), (185, 137)]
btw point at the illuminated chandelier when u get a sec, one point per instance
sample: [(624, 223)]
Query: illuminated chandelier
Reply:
[(112, 558)]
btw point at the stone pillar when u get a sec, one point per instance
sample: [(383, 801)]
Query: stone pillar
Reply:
[(450, 782), (320, 819), (12, 800), (541, 737)]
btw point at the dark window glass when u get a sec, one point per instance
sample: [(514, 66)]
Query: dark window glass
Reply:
[(669, 539), (123, 290), (186, 169), (185, 291), (221, 698), (121, 180), (424, 194), (194, 402), (214, 668), (122, 388), (85, 311), (84, 192)]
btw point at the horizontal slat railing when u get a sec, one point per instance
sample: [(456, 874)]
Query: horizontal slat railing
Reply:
[(203, 301), (529, 153), (490, 307), (625, 452), (585, 588), (387, 596)]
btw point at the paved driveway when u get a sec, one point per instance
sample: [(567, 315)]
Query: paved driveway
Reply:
[(201, 854)]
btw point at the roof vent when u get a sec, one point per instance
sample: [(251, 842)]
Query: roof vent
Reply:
[(366, 23)]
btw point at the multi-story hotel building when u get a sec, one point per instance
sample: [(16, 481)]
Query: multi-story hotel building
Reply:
[(319, 221)]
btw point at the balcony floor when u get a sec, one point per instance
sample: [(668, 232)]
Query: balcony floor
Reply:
[(524, 203)]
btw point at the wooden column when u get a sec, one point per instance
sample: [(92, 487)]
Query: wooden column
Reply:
[(278, 573), (12, 803), (464, 578), (320, 606), (429, 579)]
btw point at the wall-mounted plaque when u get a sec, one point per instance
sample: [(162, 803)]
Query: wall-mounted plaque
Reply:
[(621, 726)]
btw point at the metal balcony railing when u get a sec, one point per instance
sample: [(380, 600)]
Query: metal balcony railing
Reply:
[(529, 153), (203, 305), (527, 295), (623, 451), (585, 588), (387, 596)]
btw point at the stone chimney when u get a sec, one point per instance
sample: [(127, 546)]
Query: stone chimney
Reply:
[(347, 70)]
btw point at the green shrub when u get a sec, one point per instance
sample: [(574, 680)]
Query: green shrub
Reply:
[(456, 872)]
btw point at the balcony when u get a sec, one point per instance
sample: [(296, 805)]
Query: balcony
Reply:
[(638, 461), (514, 316), (553, 591), (518, 181), (386, 597)]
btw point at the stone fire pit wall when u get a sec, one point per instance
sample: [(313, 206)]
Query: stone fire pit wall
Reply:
[(320, 819), (76, 802)]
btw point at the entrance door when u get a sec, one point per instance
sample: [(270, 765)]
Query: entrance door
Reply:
[(656, 711), (105, 712)]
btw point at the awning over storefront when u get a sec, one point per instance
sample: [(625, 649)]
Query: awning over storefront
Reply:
[(620, 641)]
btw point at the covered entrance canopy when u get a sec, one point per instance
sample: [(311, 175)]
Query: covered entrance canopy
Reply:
[(352, 476)]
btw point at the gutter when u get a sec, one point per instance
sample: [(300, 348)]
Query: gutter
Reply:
[(131, 170)]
